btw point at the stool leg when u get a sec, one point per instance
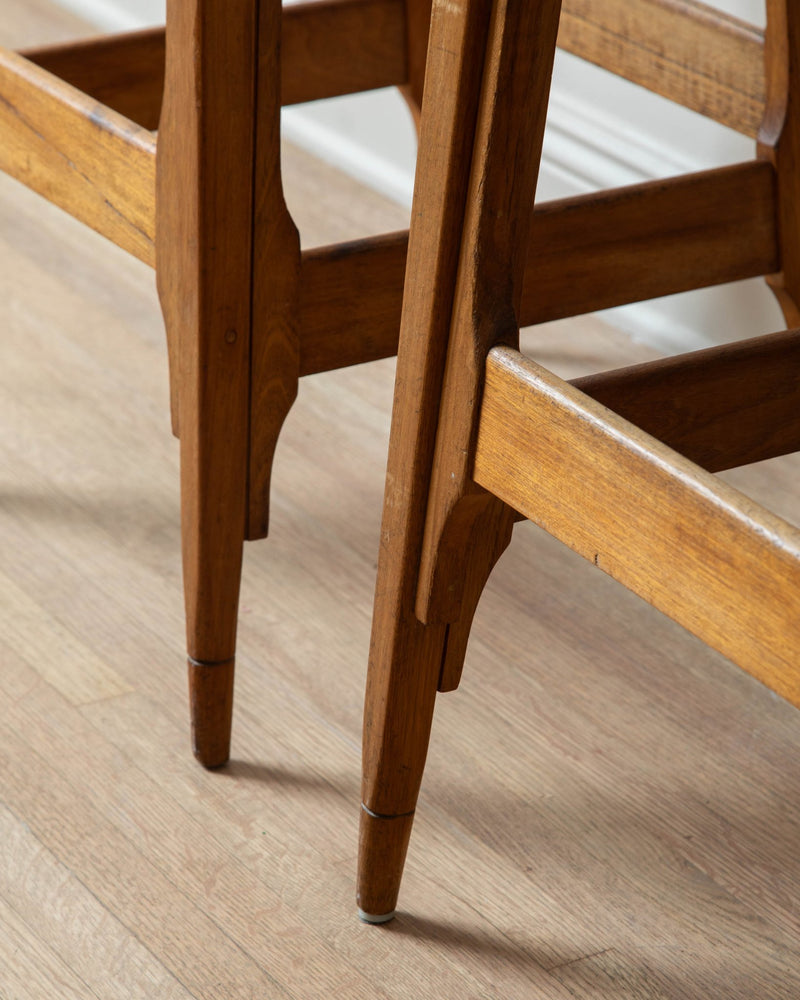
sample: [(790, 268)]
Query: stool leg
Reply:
[(441, 534), (213, 497), (406, 656), (204, 271), (409, 662), (404, 668)]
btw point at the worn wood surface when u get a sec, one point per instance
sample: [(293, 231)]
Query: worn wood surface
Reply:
[(88, 160), (124, 72), (721, 408), (688, 544), (687, 51)]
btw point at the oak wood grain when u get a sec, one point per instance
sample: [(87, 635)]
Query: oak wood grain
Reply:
[(692, 546), (720, 408), (83, 157), (686, 51), (124, 72)]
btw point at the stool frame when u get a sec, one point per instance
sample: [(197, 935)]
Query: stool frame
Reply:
[(617, 465), (166, 142)]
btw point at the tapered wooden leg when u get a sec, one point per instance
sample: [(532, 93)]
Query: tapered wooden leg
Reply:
[(463, 286), (406, 656), (213, 488), (211, 705), (409, 663), (404, 671), (204, 265), (382, 845)]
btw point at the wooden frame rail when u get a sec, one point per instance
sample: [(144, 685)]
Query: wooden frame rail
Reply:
[(686, 51), (328, 48), (124, 72), (83, 157), (645, 515), (651, 239), (683, 50), (586, 253), (721, 408)]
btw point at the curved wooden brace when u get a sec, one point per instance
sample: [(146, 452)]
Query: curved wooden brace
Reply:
[(491, 532), (488, 296), (275, 345)]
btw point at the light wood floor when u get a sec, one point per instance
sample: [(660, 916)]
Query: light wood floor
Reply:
[(610, 810)]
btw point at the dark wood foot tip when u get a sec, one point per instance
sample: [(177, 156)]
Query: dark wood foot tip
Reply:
[(383, 843), (211, 757), (211, 703)]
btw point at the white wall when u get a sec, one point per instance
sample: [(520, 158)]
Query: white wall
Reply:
[(118, 15), (602, 132)]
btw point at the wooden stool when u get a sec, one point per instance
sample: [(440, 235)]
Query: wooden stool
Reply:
[(616, 465), (246, 312)]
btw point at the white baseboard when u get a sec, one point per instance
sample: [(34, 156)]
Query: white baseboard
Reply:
[(602, 133)]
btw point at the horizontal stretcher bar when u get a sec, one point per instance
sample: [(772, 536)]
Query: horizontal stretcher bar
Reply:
[(721, 408), (586, 253), (329, 48), (87, 159), (685, 51), (685, 541)]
